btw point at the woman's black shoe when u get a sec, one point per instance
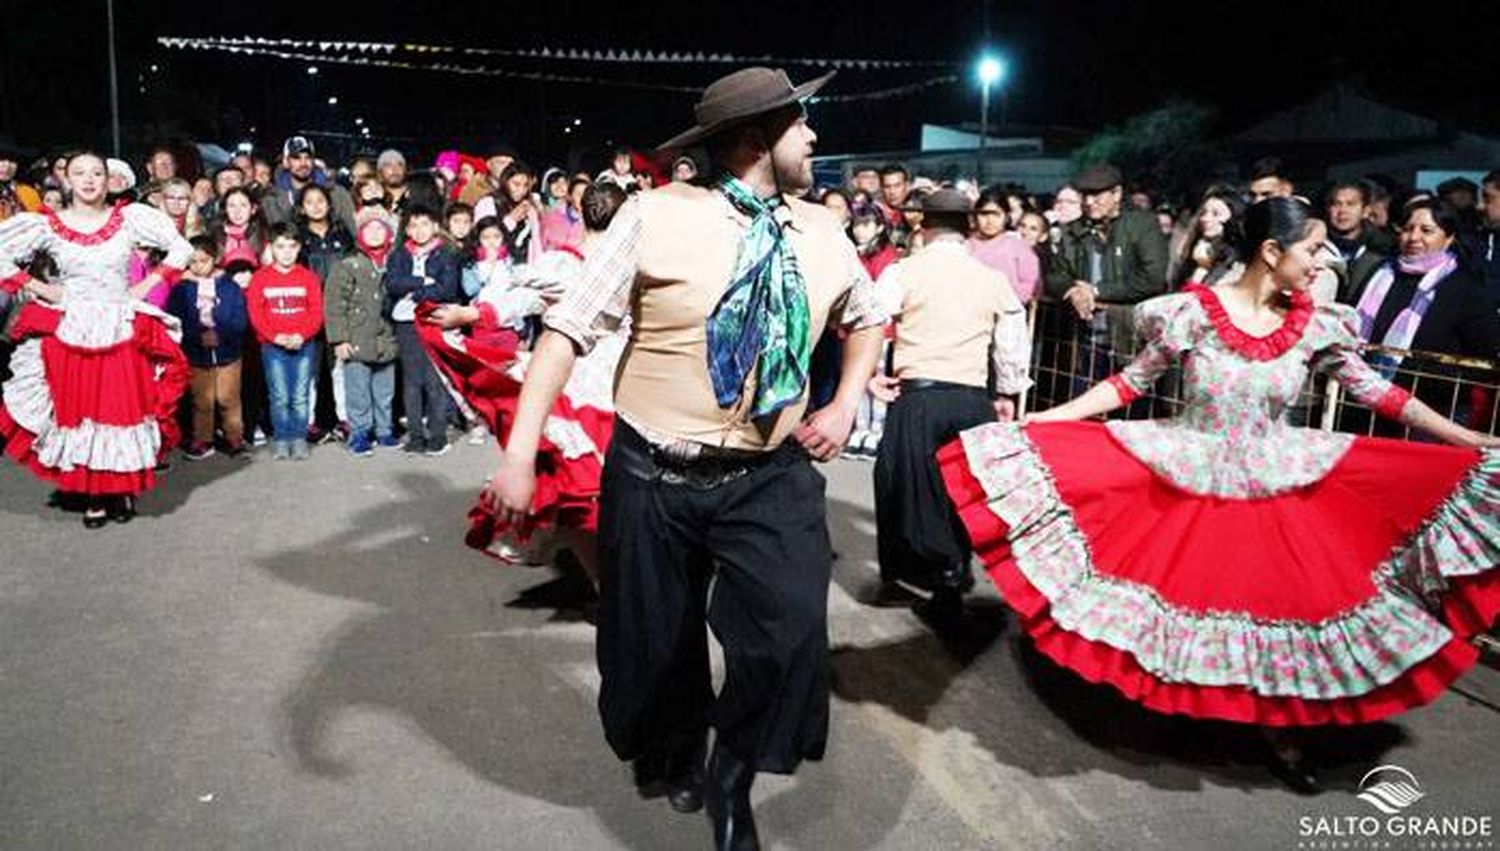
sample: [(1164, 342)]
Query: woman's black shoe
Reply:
[(1297, 774), (726, 794), (95, 518), (122, 509)]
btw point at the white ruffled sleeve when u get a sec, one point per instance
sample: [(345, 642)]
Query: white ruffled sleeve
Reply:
[(152, 228), (21, 236)]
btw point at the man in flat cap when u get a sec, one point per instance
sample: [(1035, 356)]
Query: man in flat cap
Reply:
[(708, 481), (1111, 254)]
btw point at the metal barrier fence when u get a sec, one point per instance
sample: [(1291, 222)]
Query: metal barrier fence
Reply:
[(1069, 355)]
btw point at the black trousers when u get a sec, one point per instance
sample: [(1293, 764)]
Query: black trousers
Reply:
[(422, 391), (919, 537), (750, 558)]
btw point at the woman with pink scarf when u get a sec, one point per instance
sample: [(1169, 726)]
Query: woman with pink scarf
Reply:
[(1429, 299)]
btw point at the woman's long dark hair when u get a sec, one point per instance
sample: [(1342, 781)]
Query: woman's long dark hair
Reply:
[(1225, 248), (503, 202), (471, 242), (256, 229), (870, 212)]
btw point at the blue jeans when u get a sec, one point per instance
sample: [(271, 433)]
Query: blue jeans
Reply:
[(369, 389), (289, 376)]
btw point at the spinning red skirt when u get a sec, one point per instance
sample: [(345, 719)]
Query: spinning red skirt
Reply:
[(485, 372), (1224, 565)]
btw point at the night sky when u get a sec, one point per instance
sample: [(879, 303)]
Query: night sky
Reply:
[(1072, 64)]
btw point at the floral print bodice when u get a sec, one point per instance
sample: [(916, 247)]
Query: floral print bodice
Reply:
[(1231, 438)]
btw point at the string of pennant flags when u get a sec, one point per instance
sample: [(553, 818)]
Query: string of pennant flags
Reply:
[(609, 55), (535, 76), (301, 54)]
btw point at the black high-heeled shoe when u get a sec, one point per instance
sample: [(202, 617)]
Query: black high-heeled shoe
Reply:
[(726, 796), (122, 509), (1294, 770)]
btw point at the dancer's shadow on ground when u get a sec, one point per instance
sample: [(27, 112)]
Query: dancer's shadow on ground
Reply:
[(466, 649), (1143, 741), (1034, 715), (31, 496), (967, 679), (851, 529)]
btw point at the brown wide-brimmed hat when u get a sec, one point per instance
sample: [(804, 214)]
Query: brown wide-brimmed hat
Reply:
[(734, 99)]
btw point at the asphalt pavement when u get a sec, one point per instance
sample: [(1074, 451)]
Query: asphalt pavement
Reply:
[(283, 655)]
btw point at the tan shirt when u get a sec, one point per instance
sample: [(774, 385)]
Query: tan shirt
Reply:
[(955, 317), (666, 261)]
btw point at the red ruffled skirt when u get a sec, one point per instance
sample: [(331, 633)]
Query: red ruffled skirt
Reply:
[(92, 421), (1343, 601), (485, 372)]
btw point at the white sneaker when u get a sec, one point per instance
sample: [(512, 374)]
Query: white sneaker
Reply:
[(478, 435)]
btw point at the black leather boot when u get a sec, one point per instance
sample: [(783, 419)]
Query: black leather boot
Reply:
[(726, 794), (684, 777)]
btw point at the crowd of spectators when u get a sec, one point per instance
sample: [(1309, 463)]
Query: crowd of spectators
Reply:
[(306, 278)]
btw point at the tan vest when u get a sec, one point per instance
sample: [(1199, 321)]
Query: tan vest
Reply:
[(949, 306), (688, 246)]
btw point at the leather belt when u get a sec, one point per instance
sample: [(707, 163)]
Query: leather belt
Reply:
[(638, 457), (917, 385)]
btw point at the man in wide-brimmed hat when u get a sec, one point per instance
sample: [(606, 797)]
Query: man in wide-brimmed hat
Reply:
[(708, 475), (959, 359)]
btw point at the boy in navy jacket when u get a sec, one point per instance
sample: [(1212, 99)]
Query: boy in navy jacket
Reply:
[(423, 269), (214, 318)]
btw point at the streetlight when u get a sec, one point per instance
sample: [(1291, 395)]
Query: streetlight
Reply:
[(114, 81), (333, 101), (991, 70)]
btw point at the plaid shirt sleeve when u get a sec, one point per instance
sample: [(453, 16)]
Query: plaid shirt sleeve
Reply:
[(600, 297), (859, 308), (1012, 352)]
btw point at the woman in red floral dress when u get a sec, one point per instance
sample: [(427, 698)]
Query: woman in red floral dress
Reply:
[(1227, 565), (97, 371)]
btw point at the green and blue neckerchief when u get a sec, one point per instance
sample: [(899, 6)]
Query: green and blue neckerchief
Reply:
[(763, 317)]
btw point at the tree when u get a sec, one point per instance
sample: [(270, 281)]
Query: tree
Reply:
[(1168, 149)]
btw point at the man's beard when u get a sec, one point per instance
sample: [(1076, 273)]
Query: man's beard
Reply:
[(795, 180)]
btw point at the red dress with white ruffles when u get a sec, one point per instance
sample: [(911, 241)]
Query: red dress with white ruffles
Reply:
[(1224, 564), (485, 368), (90, 405)]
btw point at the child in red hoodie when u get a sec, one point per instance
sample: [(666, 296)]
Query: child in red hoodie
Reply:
[(286, 311)]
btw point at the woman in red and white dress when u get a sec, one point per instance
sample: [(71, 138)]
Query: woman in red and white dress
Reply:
[(97, 371), (485, 370), (1224, 564)]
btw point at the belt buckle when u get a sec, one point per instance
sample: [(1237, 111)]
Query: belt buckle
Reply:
[(702, 473)]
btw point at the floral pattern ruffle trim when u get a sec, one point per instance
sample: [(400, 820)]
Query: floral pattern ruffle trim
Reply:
[(1346, 656), (1458, 540), (1243, 467), (90, 445), (1261, 348)]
